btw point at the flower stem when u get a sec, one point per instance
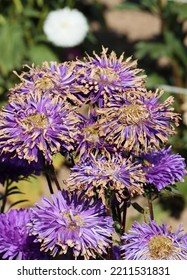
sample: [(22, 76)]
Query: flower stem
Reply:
[(54, 176), (49, 183), (150, 205), (124, 216)]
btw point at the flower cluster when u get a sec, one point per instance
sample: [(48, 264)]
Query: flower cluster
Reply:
[(103, 175), (117, 151)]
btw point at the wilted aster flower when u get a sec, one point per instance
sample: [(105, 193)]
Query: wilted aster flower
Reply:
[(14, 168), (50, 78), (101, 175), (105, 75), (15, 241), (154, 242), (66, 27), (137, 121), (88, 139), (163, 168), (72, 222), (37, 125)]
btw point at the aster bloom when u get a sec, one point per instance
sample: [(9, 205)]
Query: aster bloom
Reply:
[(136, 121), (50, 78), (36, 126), (163, 168), (72, 222), (15, 241), (66, 27), (14, 168), (154, 242), (102, 175), (105, 75), (88, 139)]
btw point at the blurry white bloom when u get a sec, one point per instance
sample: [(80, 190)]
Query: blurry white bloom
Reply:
[(66, 27)]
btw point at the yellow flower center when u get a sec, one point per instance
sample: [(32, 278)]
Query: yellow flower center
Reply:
[(74, 222), (38, 121), (160, 247), (133, 114), (44, 83), (91, 133), (109, 75)]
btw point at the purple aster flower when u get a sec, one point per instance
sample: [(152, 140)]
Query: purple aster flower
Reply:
[(14, 168), (137, 121), (72, 222), (15, 241), (37, 125), (54, 78), (163, 168), (154, 242), (102, 175), (106, 75), (88, 138)]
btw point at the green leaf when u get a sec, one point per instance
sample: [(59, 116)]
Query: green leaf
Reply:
[(176, 46), (12, 47), (128, 6), (154, 80), (153, 50), (40, 53), (17, 202)]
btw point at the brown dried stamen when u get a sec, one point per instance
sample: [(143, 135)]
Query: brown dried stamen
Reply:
[(111, 75), (133, 114), (91, 133), (160, 247), (76, 222), (44, 83), (36, 121)]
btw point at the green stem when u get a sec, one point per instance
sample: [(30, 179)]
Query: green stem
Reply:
[(70, 3)]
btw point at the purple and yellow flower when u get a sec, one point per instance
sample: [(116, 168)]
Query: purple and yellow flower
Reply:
[(136, 121), (88, 139), (37, 126), (105, 75), (15, 242), (163, 168), (54, 78), (72, 222), (103, 175), (153, 242)]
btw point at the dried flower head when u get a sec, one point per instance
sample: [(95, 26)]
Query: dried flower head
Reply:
[(36, 126), (154, 242), (136, 121), (88, 139), (105, 75), (50, 78), (72, 222), (103, 175)]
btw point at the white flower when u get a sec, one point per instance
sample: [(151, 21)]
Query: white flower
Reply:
[(66, 27)]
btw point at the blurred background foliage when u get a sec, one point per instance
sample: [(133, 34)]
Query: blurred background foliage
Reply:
[(163, 55)]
